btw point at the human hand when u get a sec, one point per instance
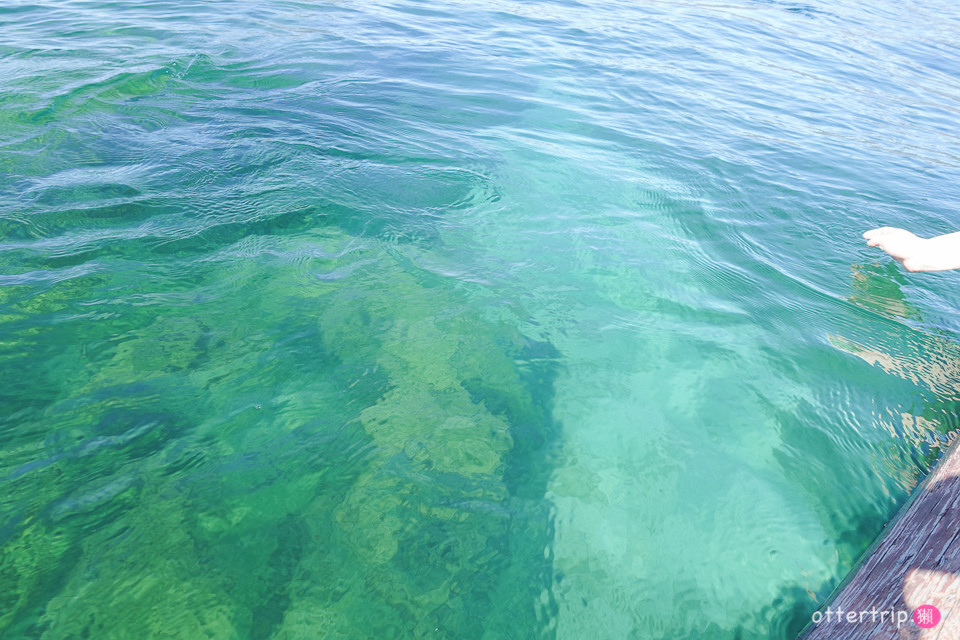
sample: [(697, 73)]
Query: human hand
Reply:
[(903, 246), (917, 254)]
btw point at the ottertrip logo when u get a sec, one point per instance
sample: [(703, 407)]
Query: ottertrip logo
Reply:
[(925, 616)]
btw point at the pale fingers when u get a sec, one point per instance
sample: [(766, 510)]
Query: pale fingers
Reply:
[(876, 236)]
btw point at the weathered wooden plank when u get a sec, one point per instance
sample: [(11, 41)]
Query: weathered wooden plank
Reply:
[(916, 562)]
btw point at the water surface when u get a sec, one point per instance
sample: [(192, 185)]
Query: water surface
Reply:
[(464, 319)]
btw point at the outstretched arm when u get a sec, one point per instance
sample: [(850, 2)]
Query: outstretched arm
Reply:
[(916, 253)]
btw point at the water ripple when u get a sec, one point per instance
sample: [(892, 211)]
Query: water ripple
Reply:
[(485, 311)]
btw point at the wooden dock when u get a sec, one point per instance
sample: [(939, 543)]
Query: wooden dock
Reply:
[(916, 562)]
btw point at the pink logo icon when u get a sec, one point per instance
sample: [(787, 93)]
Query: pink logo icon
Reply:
[(926, 616)]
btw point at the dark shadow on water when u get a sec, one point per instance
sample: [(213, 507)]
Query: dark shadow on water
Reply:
[(272, 598), (535, 433), (528, 578)]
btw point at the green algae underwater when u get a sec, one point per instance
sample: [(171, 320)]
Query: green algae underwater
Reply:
[(391, 487), (463, 319)]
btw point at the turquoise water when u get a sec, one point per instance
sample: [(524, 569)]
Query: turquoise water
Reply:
[(464, 319)]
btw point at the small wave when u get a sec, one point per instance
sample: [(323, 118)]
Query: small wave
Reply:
[(92, 497), (86, 448)]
